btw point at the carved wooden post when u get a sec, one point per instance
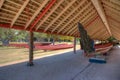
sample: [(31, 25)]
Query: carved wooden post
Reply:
[(74, 45), (85, 41), (30, 63)]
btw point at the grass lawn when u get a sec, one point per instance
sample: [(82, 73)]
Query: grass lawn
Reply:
[(11, 54)]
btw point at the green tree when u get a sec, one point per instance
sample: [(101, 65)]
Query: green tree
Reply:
[(6, 35)]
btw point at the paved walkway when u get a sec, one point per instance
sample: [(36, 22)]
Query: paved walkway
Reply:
[(67, 66)]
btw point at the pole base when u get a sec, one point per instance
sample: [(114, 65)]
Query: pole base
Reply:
[(30, 64)]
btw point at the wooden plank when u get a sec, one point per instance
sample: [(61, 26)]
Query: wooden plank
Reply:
[(91, 14), (115, 29), (111, 9), (1, 3), (19, 12), (103, 32), (100, 11), (50, 4), (49, 14), (75, 17), (114, 23), (36, 13), (74, 30), (59, 15), (8, 11), (116, 7), (68, 16)]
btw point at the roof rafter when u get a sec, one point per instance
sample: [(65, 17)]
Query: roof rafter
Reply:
[(19, 12), (60, 14), (80, 22), (42, 14), (68, 16), (74, 30), (36, 13), (116, 35), (1, 3), (115, 28), (107, 8), (75, 17), (49, 14), (103, 31), (100, 11)]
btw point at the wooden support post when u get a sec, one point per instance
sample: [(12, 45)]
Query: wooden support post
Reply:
[(74, 45), (30, 63), (80, 44)]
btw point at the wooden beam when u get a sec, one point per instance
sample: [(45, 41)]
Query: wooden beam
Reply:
[(22, 28), (113, 19), (91, 14), (74, 45), (115, 29), (100, 11), (114, 6), (97, 30), (74, 29), (42, 14), (1, 3), (31, 46), (81, 3), (111, 9), (14, 2), (49, 14), (116, 35), (8, 11), (98, 34), (76, 16), (114, 23), (19, 12), (59, 15), (36, 13)]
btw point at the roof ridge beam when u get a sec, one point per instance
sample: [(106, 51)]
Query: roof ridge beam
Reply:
[(101, 13), (19, 12)]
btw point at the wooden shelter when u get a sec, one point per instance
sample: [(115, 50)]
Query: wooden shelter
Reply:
[(99, 17)]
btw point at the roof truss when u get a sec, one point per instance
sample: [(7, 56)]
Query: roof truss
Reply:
[(19, 12), (100, 11), (1, 3)]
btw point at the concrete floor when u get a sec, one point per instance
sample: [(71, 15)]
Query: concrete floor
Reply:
[(67, 66)]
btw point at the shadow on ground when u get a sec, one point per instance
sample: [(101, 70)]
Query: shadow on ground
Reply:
[(67, 66)]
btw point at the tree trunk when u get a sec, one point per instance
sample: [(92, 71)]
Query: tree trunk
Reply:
[(85, 41)]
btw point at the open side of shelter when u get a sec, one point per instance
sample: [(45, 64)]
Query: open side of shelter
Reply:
[(100, 18)]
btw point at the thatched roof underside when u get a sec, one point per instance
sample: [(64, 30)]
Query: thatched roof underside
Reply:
[(101, 18)]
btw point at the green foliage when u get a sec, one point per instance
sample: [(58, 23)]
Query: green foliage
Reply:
[(111, 39), (17, 35), (6, 33)]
